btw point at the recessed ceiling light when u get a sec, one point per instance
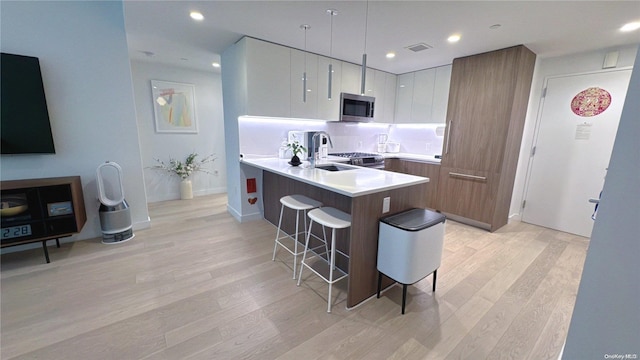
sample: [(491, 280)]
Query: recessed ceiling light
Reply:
[(391, 55), (196, 15), (215, 64), (630, 26), (453, 38)]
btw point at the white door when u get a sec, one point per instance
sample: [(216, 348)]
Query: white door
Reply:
[(573, 146)]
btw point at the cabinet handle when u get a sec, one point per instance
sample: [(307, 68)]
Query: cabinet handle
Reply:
[(446, 149), (474, 177)]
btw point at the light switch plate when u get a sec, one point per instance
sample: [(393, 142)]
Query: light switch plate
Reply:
[(386, 204)]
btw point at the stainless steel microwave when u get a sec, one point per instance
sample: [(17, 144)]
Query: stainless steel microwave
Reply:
[(356, 107)]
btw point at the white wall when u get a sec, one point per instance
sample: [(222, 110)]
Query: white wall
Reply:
[(606, 318), (161, 185), (83, 54), (563, 65)]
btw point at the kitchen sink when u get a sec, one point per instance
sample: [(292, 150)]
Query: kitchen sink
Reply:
[(334, 167)]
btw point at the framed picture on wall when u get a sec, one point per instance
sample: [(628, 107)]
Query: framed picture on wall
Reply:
[(174, 107)]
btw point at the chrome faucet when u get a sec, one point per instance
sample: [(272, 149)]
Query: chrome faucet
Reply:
[(312, 151)]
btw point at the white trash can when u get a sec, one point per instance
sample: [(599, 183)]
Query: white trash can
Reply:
[(410, 247)]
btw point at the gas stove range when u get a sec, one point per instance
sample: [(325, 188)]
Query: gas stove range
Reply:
[(363, 159)]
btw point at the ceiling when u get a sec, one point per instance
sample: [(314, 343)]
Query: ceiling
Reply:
[(548, 28)]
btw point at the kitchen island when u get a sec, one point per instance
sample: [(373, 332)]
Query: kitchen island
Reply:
[(358, 191)]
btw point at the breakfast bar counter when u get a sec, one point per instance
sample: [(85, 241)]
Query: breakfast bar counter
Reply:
[(355, 190), (352, 181)]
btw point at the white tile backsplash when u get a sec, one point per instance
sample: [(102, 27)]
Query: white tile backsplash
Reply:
[(263, 135)]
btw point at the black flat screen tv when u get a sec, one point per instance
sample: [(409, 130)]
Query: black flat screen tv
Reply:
[(25, 126)]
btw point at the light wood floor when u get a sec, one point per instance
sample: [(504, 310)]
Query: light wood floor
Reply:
[(198, 285)]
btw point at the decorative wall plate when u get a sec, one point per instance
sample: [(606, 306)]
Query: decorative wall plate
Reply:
[(591, 102)]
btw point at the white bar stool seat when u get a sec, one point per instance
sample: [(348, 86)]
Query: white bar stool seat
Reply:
[(297, 203), (334, 219)]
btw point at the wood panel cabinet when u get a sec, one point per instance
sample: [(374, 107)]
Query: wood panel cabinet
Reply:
[(418, 168), (487, 105)]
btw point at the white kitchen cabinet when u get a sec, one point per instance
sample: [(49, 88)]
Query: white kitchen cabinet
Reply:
[(385, 93), (329, 109), (380, 93), (389, 102), (370, 84), (441, 95), (350, 78), (301, 107), (423, 84), (268, 69), (422, 96), (404, 98), (378, 84)]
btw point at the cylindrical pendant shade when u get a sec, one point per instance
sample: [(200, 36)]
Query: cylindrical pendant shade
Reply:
[(329, 82), (364, 74), (304, 87)]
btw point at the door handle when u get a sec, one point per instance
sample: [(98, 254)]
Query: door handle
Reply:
[(449, 130)]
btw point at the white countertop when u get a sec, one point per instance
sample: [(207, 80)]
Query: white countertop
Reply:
[(356, 182), (407, 156)]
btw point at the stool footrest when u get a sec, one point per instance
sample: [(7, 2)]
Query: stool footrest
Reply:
[(290, 243), (320, 267)]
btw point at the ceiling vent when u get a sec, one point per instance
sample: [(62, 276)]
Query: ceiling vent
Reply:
[(419, 47)]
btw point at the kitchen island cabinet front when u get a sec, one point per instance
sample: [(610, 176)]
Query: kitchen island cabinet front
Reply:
[(360, 241), (419, 168)]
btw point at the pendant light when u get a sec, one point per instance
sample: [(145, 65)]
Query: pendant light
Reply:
[(332, 13), (364, 54), (305, 27)]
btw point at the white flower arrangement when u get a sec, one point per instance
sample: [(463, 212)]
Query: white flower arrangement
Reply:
[(186, 169)]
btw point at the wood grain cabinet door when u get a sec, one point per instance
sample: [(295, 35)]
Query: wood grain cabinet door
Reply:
[(479, 110), (418, 168), (485, 116), (467, 193)]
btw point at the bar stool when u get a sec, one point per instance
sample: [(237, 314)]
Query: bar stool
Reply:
[(334, 219), (297, 203)]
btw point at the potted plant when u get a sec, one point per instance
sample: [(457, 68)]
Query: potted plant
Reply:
[(296, 149)]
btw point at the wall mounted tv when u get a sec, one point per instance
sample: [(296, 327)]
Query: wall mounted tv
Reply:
[(25, 127)]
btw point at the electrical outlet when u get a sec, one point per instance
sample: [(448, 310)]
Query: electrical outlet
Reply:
[(386, 204)]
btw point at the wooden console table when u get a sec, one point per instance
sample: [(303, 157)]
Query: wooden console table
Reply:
[(52, 208)]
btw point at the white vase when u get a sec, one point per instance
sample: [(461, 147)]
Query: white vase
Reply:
[(186, 190)]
